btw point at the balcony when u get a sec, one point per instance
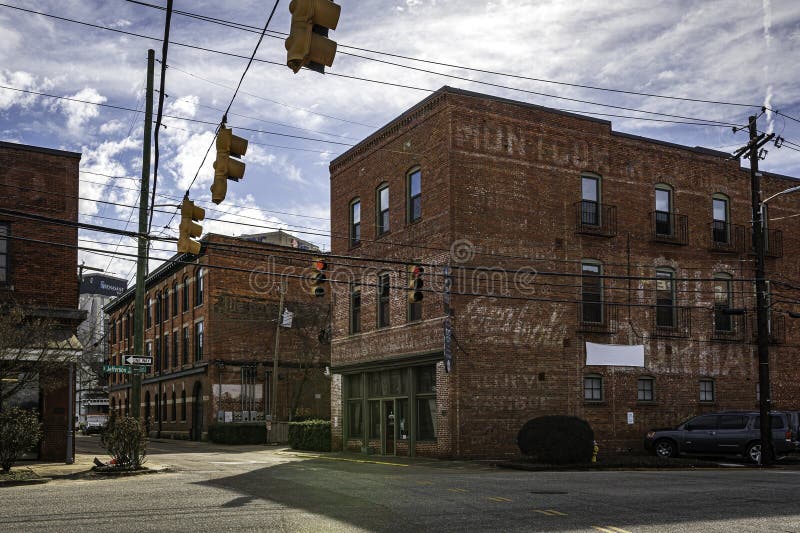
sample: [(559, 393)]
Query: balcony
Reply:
[(670, 321), (593, 218), (728, 238), (777, 329), (597, 317), (669, 228), (728, 328)]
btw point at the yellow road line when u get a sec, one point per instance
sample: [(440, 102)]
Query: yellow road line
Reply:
[(457, 490), (611, 529), (604, 530), (342, 459), (498, 499), (549, 512)]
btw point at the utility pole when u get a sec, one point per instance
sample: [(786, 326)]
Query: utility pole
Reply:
[(767, 450), (275, 355), (142, 259)]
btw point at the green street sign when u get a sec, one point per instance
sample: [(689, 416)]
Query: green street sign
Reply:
[(124, 369)]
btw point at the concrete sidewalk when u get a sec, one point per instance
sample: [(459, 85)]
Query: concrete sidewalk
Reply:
[(83, 464)]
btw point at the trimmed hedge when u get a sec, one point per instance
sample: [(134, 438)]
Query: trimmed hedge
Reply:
[(557, 440), (241, 433), (314, 435)]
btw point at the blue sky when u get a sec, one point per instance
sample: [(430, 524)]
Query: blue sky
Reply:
[(728, 51)]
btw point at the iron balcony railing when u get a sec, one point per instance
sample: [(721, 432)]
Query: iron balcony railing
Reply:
[(669, 228), (594, 218), (727, 237), (672, 321), (597, 317), (776, 329), (773, 243)]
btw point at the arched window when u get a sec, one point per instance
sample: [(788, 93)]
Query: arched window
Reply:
[(174, 298), (164, 407), (355, 222), (591, 292), (198, 287), (665, 298), (721, 228), (149, 312), (382, 211), (186, 293), (158, 307), (383, 299), (183, 406), (174, 407), (591, 199), (664, 210), (414, 194)]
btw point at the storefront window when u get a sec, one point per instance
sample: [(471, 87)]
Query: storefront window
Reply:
[(426, 418), (403, 430), (375, 419), (355, 424)]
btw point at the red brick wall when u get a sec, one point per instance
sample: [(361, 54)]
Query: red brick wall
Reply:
[(502, 180)]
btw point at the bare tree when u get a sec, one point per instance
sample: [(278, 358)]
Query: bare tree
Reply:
[(311, 338), (30, 349)]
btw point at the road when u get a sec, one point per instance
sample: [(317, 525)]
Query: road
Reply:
[(256, 488)]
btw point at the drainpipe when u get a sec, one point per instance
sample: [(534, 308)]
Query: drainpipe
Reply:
[(71, 415)]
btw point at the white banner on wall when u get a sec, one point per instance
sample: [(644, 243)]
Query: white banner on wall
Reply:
[(614, 354)]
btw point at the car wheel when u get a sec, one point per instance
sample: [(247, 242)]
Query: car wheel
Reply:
[(753, 452), (665, 448)]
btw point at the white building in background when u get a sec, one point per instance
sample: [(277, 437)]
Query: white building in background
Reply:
[(91, 397)]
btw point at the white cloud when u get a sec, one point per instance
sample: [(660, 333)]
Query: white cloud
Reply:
[(20, 80), (79, 113)]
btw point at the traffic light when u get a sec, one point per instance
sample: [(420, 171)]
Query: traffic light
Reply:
[(415, 283), (308, 42), (188, 228), (318, 277), (226, 168)]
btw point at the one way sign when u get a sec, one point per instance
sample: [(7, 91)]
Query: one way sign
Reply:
[(138, 360)]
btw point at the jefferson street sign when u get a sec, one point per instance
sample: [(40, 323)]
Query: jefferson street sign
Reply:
[(124, 369), (138, 360)]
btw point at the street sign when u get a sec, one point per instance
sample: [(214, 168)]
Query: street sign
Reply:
[(124, 369), (138, 360)]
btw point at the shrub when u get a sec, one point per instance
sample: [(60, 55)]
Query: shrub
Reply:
[(20, 431), (557, 439), (238, 433), (312, 435), (125, 440)]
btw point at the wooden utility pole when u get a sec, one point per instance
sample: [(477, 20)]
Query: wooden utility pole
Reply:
[(142, 259), (274, 409)]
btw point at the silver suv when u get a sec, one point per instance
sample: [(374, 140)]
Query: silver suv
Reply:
[(724, 433)]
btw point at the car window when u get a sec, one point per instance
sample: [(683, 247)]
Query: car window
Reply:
[(703, 422), (732, 422), (776, 422)]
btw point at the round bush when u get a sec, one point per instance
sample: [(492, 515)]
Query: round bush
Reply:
[(557, 439)]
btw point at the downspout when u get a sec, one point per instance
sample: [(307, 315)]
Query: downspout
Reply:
[(70, 415)]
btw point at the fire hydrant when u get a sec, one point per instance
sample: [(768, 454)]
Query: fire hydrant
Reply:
[(595, 449)]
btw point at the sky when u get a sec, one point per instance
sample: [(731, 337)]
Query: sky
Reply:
[(391, 54)]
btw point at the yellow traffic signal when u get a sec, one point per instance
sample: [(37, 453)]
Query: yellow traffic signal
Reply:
[(415, 283), (318, 277), (308, 43), (226, 168), (188, 228)]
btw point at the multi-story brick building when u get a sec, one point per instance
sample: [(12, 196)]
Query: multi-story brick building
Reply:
[(562, 236), (38, 274), (210, 325)]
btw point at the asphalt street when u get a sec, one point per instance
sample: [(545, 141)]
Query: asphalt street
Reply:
[(259, 488)]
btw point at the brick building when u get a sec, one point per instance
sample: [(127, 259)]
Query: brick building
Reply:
[(562, 236), (38, 274), (210, 323)]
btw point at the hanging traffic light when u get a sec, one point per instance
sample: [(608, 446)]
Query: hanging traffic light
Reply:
[(226, 168), (415, 283), (308, 42), (318, 277), (189, 229)]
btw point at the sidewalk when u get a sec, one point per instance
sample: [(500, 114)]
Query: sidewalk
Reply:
[(82, 465)]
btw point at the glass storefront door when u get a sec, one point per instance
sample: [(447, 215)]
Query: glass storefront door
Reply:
[(389, 434)]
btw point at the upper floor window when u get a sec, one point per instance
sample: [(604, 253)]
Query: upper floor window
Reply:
[(383, 209), (185, 352), (199, 287), (383, 300), (5, 231), (663, 209), (198, 341), (721, 213), (186, 294), (158, 307), (590, 200), (723, 299), (414, 189), (414, 305), (591, 292), (593, 388), (166, 303), (174, 298), (355, 309), (149, 313), (355, 222), (665, 298)]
